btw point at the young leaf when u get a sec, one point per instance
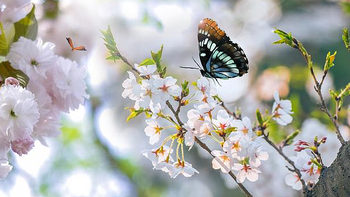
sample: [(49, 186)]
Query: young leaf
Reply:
[(147, 62), (6, 70), (110, 44), (4, 47), (157, 58), (285, 38), (345, 38), (27, 27), (259, 117), (329, 61), (134, 113)]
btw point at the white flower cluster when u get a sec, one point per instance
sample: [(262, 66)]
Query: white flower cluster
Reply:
[(27, 114), (282, 110), (309, 168), (242, 150), (12, 11), (152, 92)]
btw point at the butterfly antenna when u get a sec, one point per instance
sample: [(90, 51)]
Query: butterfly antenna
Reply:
[(188, 67), (200, 68)]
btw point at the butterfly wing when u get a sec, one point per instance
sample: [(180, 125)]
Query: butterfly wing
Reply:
[(70, 42), (79, 48), (210, 36), (220, 57), (228, 61)]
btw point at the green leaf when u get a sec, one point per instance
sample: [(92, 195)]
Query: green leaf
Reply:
[(110, 44), (185, 89), (291, 137), (157, 58), (147, 62), (259, 117), (329, 61), (286, 38), (345, 38), (27, 27), (4, 46), (134, 113), (6, 70)]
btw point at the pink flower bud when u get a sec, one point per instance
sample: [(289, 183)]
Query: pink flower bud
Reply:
[(323, 140), (22, 146), (11, 81), (298, 149)]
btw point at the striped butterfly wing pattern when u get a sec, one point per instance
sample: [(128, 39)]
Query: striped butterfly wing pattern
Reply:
[(220, 57)]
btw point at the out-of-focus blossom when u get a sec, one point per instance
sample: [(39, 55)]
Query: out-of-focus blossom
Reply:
[(12, 11), (184, 168), (34, 58), (281, 110), (5, 168), (69, 88), (22, 146), (18, 112), (271, 80), (11, 81), (153, 130)]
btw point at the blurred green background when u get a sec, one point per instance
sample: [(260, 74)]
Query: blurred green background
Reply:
[(98, 153)]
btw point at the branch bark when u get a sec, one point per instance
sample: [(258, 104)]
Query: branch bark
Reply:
[(334, 180)]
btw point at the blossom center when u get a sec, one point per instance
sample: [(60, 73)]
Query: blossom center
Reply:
[(13, 114), (34, 63), (164, 88)]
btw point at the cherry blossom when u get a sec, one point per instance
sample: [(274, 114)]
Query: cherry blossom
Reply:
[(181, 167), (244, 127), (221, 161), (167, 87), (153, 130), (293, 180), (22, 146), (34, 58), (223, 120), (246, 171), (145, 70), (132, 88), (281, 110), (158, 155)]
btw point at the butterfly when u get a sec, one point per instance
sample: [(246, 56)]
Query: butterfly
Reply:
[(220, 57), (79, 48)]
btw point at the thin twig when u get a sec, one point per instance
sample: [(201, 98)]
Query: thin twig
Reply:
[(230, 112), (318, 87)]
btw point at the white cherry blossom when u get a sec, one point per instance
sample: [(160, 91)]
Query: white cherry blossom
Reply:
[(34, 58), (293, 180), (246, 171), (167, 87), (244, 127), (281, 110), (153, 130), (132, 88), (183, 168), (221, 161), (146, 70)]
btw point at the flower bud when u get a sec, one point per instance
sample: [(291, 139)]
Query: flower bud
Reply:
[(11, 81)]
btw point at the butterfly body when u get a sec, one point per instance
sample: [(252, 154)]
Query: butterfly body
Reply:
[(220, 57)]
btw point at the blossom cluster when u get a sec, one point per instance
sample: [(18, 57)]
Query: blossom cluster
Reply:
[(33, 113), (308, 161), (241, 148)]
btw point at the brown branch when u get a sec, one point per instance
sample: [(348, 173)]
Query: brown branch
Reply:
[(238, 117)]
